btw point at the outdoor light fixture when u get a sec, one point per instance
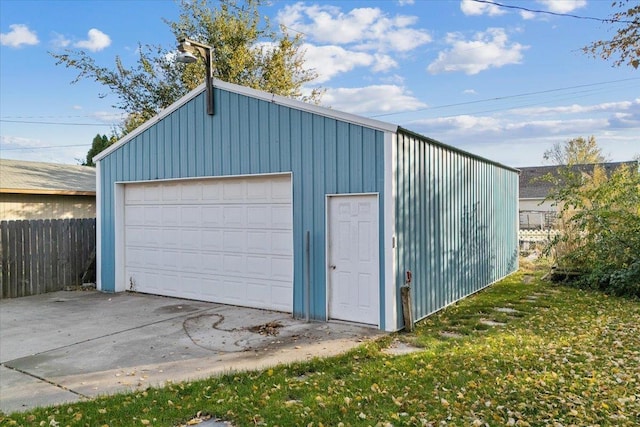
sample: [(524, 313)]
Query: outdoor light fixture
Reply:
[(186, 48)]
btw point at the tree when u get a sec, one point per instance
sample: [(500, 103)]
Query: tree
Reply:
[(575, 152), (246, 51), (600, 238), (100, 142), (624, 46)]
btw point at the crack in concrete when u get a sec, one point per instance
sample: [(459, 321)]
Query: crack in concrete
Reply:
[(109, 334), (60, 386)]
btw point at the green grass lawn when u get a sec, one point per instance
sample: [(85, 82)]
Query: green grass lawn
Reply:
[(521, 353)]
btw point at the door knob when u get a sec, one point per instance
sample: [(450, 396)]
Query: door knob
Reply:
[(333, 267)]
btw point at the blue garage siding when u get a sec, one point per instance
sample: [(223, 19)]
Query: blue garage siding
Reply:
[(252, 136), (456, 221)]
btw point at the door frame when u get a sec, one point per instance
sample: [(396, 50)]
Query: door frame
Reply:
[(328, 198)]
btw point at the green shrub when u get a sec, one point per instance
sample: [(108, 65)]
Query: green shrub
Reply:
[(600, 217)]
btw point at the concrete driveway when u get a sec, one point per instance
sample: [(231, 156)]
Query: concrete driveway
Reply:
[(74, 345)]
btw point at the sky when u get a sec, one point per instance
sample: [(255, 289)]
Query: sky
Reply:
[(497, 81)]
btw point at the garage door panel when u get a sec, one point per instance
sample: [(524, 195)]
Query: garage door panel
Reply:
[(190, 287), (258, 266), (258, 191), (258, 292), (281, 243), (212, 240), (233, 191), (258, 242), (212, 216), (152, 193), (232, 264), (170, 238), (134, 236), (211, 191), (258, 216), (210, 289), (134, 215), (170, 216), (233, 291), (234, 240), (152, 215), (170, 259), (281, 190), (234, 216), (190, 216), (170, 193), (190, 193), (212, 262), (281, 217), (282, 268), (220, 240), (134, 194), (281, 297), (190, 261), (190, 239)]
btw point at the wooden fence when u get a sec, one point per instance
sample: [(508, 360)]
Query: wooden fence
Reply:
[(41, 256)]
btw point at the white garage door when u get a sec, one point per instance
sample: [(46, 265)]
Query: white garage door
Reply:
[(226, 240)]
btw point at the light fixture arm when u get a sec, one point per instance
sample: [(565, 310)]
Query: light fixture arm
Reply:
[(206, 52)]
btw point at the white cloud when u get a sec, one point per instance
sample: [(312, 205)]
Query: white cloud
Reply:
[(20, 35), (470, 7), (383, 62), (13, 142), (97, 41), (366, 28), (111, 117), (577, 108), (520, 136), (405, 2), (563, 6), (372, 99), (526, 15), (59, 41), (36, 150), (469, 92), (329, 61), (489, 49)]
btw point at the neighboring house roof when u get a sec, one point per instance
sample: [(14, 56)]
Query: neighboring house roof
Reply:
[(534, 186), (18, 176)]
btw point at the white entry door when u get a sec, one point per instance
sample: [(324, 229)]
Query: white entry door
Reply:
[(353, 261)]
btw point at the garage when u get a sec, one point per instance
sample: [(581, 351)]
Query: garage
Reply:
[(272, 203), (226, 240)]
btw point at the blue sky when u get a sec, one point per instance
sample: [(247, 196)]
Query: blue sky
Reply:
[(498, 82)]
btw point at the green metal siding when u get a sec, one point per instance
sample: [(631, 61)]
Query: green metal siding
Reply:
[(456, 221), (252, 136)]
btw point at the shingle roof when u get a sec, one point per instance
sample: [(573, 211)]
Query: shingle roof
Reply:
[(17, 176), (533, 186)]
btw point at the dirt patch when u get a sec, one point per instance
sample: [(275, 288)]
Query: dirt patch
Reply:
[(270, 328), (490, 322), (175, 308), (506, 310), (399, 348), (449, 334)]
